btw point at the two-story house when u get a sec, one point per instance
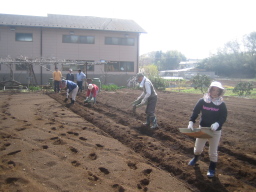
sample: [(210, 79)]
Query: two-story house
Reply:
[(32, 46)]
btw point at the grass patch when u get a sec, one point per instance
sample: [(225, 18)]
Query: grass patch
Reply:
[(228, 91), (111, 87)]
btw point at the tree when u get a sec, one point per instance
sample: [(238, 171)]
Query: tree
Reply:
[(201, 82), (151, 71), (231, 61), (250, 42), (170, 60), (163, 60), (153, 74)]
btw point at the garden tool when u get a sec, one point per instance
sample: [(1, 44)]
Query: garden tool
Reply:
[(137, 106), (203, 132)]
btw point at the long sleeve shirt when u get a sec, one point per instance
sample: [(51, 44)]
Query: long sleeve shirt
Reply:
[(210, 113), (148, 89), (57, 76), (70, 77), (70, 86), (93, 92), (80, 76)]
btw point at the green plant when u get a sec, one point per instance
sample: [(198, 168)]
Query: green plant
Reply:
[(111, 87), (34, 88), (201, 82), (158, 82), (243, 88)]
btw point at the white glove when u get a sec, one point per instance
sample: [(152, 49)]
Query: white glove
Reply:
[(86, 99), (190, 125), (215, 126), (136, 102), (92, 99), (143, 102), (67, 93)]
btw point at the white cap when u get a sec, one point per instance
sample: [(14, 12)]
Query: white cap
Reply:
[(217, 84), (90, 86)]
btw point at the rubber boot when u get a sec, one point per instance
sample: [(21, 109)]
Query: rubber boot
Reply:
[(72, 102), (193, 161), (211, 171), (147, 123), (154, 122)]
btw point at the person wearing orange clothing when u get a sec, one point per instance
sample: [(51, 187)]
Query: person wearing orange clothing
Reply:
[(91, 93), (57, 79)]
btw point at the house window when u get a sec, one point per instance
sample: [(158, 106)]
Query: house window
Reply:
[(119, 66), (48, 67), (21, 67), (78, 39), (119, 41), (27, 37), (75, 65)]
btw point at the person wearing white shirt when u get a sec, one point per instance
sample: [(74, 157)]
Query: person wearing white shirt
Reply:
[(149, 98), (80, 76)]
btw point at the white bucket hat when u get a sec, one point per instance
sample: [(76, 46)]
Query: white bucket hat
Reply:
[(216, 84), (90, 86)]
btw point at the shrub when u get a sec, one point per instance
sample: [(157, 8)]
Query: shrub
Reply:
[(158, 82), (243, 88)]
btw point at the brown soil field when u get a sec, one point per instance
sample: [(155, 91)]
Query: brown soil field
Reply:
[(48, 145)]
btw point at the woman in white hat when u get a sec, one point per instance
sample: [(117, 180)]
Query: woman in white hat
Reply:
[(213, 114), (91, 93)]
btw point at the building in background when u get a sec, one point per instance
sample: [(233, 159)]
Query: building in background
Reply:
[(32, 46)]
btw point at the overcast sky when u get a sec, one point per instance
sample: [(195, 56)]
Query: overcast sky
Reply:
[(196, 28)]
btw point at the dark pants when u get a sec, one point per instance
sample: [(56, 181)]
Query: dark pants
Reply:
[(80, 86), (151, 106), (56, 86)]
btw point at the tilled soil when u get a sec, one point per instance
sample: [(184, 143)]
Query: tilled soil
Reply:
[(170, 150), (129, 156)]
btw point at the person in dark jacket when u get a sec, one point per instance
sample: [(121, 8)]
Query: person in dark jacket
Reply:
[(70, 76), (72, 90), (149, 98), (213, 114)]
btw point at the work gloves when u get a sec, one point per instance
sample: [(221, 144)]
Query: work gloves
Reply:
[(190, 125), (215, 126), (86, 100), (143, 102), (136, 102)]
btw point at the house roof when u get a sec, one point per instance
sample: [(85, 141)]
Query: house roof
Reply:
[(71, 22)]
